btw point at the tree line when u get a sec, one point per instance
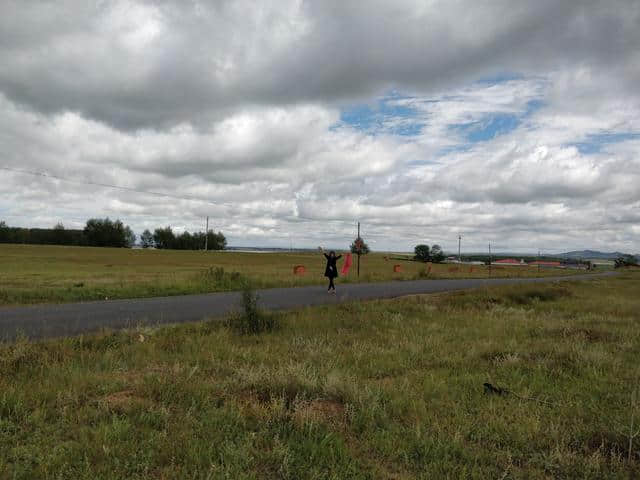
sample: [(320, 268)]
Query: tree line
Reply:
[(165, 238), (57, 235), (105, 232)]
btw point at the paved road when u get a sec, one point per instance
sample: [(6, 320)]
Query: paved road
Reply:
[(41, 321)]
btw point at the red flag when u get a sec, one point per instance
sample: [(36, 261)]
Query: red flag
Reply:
[(347, 264)]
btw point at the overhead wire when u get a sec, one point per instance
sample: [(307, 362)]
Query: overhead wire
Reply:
[(119, 187)]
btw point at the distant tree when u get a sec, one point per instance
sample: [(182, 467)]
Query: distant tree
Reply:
[(59, 235), (129, 237), (626, 261), (164, 238), (422, 253), (146, 239), (107, 233), (184, 241), (437, 255), (359, 247), (216, 241), (4, 232)]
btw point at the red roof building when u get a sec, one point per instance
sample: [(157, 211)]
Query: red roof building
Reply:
[(509, 261)]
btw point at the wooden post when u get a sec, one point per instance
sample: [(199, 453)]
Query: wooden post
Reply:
[(358, 249), (206, 236)]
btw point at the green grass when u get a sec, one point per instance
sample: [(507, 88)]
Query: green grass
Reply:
[(36, 273), (384, 389)]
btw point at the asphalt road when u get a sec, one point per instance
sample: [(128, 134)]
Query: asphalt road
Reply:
[(58, 320)]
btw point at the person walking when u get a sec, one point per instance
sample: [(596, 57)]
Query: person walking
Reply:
[(331, 271)]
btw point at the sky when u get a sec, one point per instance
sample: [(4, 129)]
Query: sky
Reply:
[(512, 123)]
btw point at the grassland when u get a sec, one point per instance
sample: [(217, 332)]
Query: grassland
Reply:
[(384, 389), (36, 274)]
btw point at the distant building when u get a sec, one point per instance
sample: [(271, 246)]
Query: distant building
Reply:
[(509, 261)]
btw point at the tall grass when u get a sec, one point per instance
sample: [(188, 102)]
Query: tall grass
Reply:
[(39, 273)]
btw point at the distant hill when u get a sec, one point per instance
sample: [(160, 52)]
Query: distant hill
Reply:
[(591, 254)]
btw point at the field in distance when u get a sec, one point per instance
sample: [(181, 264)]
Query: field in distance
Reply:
[(37, 274), (390, 389)]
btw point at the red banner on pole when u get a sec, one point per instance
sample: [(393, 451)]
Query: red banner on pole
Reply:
[(347, 264)]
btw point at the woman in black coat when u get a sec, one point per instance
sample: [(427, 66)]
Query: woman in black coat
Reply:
[(331, 271)]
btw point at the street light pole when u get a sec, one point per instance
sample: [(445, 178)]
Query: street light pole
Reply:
[(459, 241)]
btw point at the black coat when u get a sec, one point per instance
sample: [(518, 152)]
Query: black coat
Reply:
[(332, 270)]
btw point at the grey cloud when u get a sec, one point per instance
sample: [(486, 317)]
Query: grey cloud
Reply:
[(159, 64)]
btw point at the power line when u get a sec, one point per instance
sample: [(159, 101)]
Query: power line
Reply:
[(118, 187), (136, 190)]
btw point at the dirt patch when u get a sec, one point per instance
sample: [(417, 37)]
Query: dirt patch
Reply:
[(542, 294), (591, 335), (321, 410), (610, 444), (124, 401), (497, 356)]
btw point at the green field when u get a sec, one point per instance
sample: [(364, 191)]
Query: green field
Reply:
[(384, 389), (36, 273)]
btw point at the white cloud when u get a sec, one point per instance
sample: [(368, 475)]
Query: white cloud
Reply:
[(237, 108)]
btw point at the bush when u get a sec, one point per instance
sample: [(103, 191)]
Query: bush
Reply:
[(251, 320), (216, 278), (422, 273)]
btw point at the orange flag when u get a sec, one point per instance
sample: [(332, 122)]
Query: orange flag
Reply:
[(347, 264)]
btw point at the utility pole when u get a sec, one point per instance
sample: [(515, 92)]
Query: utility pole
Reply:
[(459, 241), (206, 235), (358, 247), (490, 259)]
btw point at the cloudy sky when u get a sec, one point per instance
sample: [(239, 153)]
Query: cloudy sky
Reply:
[(511, 121)]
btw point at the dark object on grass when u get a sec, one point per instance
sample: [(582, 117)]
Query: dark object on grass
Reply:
[(491, 390)]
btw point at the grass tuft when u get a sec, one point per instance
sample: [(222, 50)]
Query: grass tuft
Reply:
[(251, 320)]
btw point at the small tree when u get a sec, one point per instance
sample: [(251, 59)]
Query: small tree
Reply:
[(216, 241), (129, 237), (146, 239), (252, 320), (59, 235), (422, 253), (437, 255), (4, 232), (359, 247)]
